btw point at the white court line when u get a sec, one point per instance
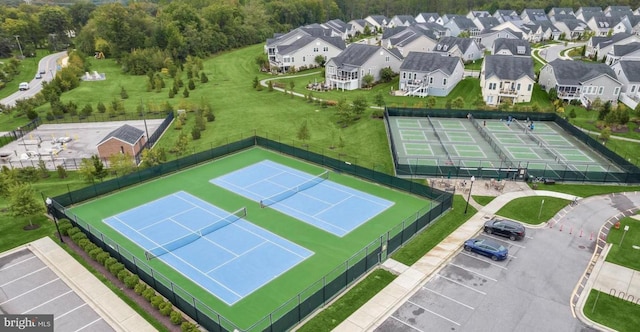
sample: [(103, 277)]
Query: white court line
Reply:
[(53, 299), (474, 272), (439, 315), (406, 324), (6, 267), (24, 276), (31, 290), (448, 298), (461, 284), (169, 217), (70, 311), (483, 260), (87, 325)]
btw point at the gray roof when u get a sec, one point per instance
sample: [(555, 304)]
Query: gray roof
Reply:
[(573, 24), (435, 16), (508, 67), (463, 23), (310, 30), (406, 18), (390, 32), (606, 41), (404, 35), (337, 25), (360, 22), (561, 11), (622, 50), (631, 70), (125, 133), (486, 33), (606, 22), (430, 62), (535, 14), (517, 47), (379, 18), (447, 43), (488, 22), (569, 72), (306, 40), (480, 13), (357, 54)]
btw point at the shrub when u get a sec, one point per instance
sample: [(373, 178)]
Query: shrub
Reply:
[(131, 280), (64, 228), (73, 230), (139, 288), (148, 294), (78, 236), (102, 257), (377, 114), (116, 268), (188, 327), (165, 308), (156, 301), (331, 103), (89, 246), (175, 318), (95, 252), (123, 274), (195, 133), (82, 242), (110, 261)]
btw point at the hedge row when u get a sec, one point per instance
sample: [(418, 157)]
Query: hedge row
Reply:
[(130, 280)]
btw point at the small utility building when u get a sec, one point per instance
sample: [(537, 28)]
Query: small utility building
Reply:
[(126, 139)]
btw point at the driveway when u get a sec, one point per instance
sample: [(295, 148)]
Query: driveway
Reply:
[(48, 64)]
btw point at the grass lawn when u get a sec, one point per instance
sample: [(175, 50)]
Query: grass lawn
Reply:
[(613, 312), (474, 65), (531, 210), (28, 70), (625, 254), (349, 302), (483, 200), (586, 190), (432, 235)]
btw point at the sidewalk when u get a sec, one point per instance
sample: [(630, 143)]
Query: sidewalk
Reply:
[(410, 278)]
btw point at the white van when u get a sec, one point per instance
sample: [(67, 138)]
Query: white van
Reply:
[(23, 86)]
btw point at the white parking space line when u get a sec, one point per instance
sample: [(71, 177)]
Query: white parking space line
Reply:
[(463, 285), (529, 237), (70, 311), (24, 276), (31, 290), (484, 260), (449, 298), (511, 243), (406, 324), (439, 315), (53, 299), (474, 272), (82, 328), (6, 267)]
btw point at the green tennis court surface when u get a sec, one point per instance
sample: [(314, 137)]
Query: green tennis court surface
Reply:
[(330, 251)]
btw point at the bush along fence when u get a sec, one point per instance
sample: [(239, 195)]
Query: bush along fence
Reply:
[(623, 172), (300, 306), (129, 280)]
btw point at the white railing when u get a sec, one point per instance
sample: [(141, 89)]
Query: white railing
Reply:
[(629, 100)]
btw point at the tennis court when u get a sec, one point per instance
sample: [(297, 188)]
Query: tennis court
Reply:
[(317, 201), (222, 252)]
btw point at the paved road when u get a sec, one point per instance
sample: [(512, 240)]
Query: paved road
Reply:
[(48, 64)]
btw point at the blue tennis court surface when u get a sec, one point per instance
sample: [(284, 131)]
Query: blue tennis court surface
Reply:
[(230, 261), (324, 204)]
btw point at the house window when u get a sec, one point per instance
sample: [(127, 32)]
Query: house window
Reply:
[(529, 87), (600, 90), (616, 91), (326, 49), (386, 59), (430, 80), (404, 75), (121, 149), (492, 86), (518, 88), (304, 59), (315, 49), (444, 81), (633, 88), (415, 76)]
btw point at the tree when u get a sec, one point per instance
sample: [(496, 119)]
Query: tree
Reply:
[(458, 102), (256, 82), (86, 110), (185, 92), (42, 169), (359, 105), (99, 172), (123, 93), (270, 86), (153, 157), (203, 78), (319, 59), (101, 108), (572, 113), (431, 102), (623, 114), (343, 109), (23, 202), (86, 170), (605, 110), (191, 85), (367, 80), (121, 164), (180, 147), (303, 131), (62, 172), (378, 99), (386, 74), (605, 134), (637, 110)]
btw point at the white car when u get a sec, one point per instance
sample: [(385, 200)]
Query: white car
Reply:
[(23, 86)]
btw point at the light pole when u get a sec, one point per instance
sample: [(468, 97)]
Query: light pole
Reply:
[(473, 178), (20, 47), (50, 210)]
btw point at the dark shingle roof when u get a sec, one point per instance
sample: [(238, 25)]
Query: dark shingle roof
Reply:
[(631, 70), (508, 67), (306, 40), (357, 54), (622, 50), (569, 72), (561, 11), (573, 24), (125, 133), (447, 43), (426, 16), (430, 62), (517, 47), (379, 18), (488, 22), (463, 23), (606, 22), (606, 41), (406, 19)]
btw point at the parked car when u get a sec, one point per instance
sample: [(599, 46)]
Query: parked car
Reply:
[(507, 228), (42, 72), (23, 86), (38, 76), (487, 247)]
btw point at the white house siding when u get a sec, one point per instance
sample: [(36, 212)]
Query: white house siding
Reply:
[(436, 80), (522, 86), (420, 44), (603, 87), (306, 55), (378, 61)]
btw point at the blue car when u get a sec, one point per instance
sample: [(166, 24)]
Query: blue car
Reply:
[(487, 247)]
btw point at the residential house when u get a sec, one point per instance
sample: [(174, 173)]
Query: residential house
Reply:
[(341, 29), (487, 38), (598, 47), (561, 11), (444, 19), (465, 48), (629, 51), (402, 21), (628, 73), (506, 78), (429, 74), (346, 70), (530, 15), (379, 22), (409, 39), (303, 52), (357, 26), (548, 30), (504, 15), (516, 26), (434, 28), (579, 80), (461, 25), (586, 13), (561, 17), (477, 13), (125, 139), (573, 29), (618, 11), (629, 24), (603, 25), (513, 47), (290, 37), (427, 17), (486, 23)]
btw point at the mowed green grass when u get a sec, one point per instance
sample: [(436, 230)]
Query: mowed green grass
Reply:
[(532, 210), (612, 312), (330, 251), (625, 254)]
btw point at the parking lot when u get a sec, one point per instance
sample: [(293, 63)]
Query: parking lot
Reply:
[(528, 291)]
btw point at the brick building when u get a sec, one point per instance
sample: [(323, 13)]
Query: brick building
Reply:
[(126, 139)]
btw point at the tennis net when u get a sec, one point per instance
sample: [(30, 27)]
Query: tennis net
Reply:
[(189, 238), (435, 131), (292, 191), (483, 131), (519, 124)]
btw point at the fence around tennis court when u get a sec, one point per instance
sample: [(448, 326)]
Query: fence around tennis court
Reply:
[(320, 292), (620, 171)]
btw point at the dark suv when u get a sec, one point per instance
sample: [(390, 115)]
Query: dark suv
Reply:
[(507, 228)]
